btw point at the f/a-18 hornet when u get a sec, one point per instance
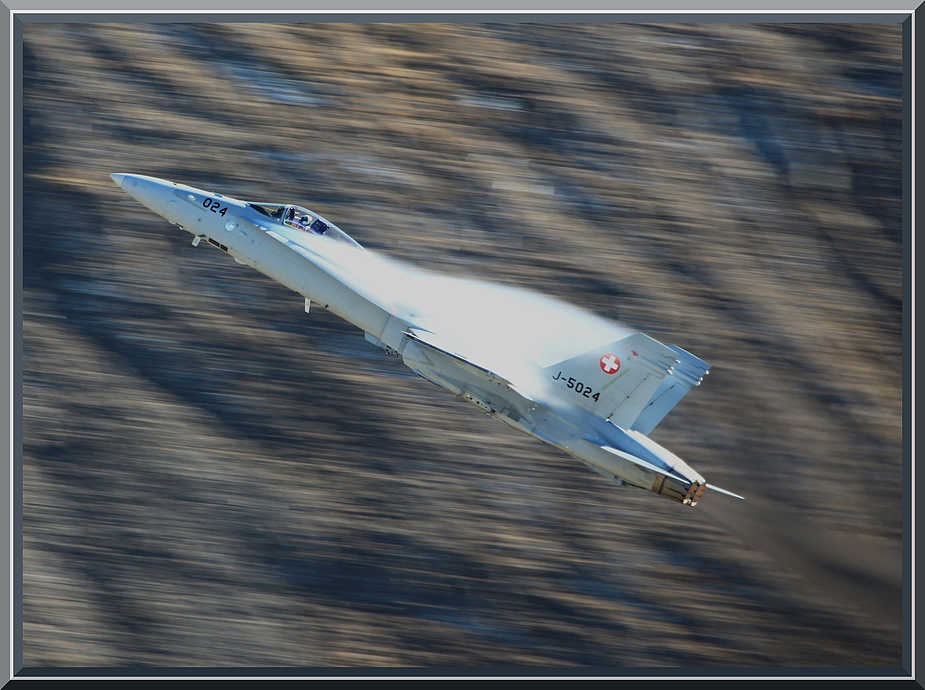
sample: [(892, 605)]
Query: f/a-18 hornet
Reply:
[(565, 376)]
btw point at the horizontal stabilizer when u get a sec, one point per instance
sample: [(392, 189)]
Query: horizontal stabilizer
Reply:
[(638, 461), (620, 481), (677, 482), (723, 491)]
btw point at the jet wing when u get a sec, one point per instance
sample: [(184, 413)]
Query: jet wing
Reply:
[(445, 346)]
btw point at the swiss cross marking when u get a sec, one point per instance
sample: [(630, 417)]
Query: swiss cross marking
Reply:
[(610, 363)]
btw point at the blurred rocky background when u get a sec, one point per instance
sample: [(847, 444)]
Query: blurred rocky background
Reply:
[(214, 478)]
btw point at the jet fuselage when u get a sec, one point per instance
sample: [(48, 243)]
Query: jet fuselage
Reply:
[(555, 401)]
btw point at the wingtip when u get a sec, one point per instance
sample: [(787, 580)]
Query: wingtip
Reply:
[(117, 178)]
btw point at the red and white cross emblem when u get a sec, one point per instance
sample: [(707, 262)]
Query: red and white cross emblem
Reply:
[(610, 363)]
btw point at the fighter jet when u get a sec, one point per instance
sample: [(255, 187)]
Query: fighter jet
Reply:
[(567, 377)]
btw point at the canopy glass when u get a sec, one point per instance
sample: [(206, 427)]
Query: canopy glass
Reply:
[(304, 220)]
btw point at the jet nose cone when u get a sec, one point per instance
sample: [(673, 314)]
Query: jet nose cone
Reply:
[(153, 192)]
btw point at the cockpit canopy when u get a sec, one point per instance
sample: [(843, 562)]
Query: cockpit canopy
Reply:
[(300, 218)]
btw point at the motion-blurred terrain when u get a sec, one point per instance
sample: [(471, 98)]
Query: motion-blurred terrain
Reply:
[(214, 478)]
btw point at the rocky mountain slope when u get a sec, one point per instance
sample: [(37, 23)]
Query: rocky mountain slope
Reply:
[(214, 478)]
